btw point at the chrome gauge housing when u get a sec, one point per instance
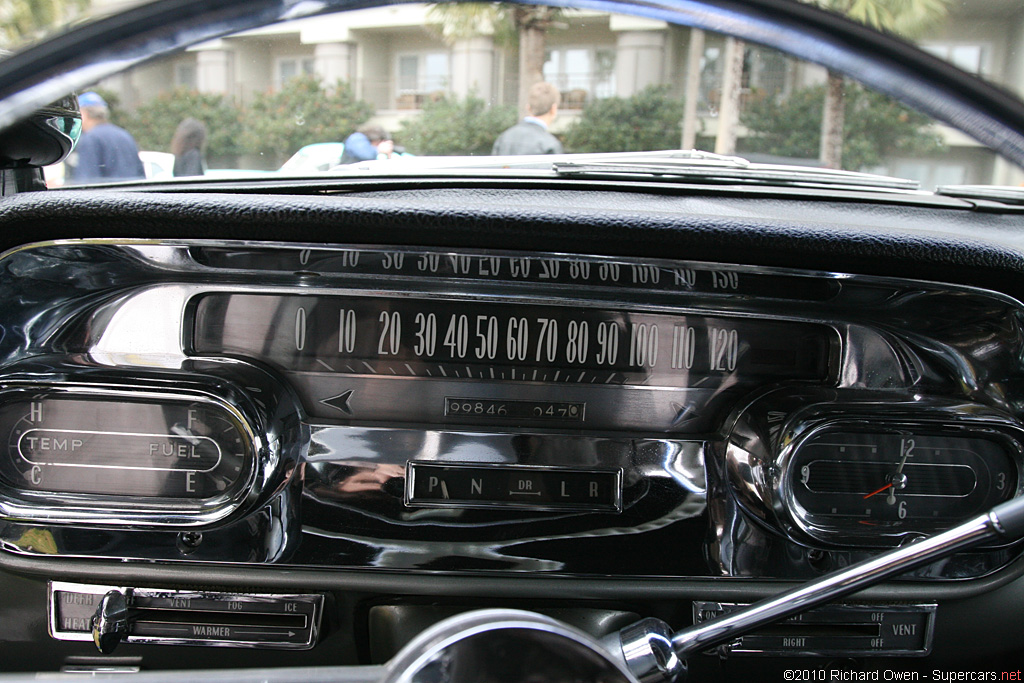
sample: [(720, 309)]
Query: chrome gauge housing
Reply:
[(424, 409), (177, 449), (843, 469)]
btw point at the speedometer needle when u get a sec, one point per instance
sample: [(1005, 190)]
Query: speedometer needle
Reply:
[(887, 486)]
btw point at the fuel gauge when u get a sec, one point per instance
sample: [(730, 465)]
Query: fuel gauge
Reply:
[(846, 482), (124, 451)]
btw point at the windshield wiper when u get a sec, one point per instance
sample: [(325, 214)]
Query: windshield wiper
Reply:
[(996, 193), (708, 167)]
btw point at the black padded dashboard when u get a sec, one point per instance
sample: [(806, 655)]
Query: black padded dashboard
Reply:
[(919, 236)]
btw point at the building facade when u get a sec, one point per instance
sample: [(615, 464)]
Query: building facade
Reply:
[(393, 58)]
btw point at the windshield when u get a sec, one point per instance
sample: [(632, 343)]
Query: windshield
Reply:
[(325, 94)]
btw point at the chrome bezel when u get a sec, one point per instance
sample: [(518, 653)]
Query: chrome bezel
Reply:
[(927, 609), (139, 323), (314, 599), (933, 416), (262, 455)]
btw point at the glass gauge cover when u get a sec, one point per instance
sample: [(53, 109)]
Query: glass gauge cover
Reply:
[(881, 484), (126, 451)]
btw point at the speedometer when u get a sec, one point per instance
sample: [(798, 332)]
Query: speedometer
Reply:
[(525, 363), (476, 340)]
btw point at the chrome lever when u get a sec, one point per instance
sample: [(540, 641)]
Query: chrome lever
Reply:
[(654, 655), (110, 622)]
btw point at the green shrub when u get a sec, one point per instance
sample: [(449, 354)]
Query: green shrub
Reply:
[(277, 124), (876, 126), (650, 119), (153, 123), (450, 126)]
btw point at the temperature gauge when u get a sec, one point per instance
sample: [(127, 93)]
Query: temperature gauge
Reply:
[(851, 482), (122, 451)]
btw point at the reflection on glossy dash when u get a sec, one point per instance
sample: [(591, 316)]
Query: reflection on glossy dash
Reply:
[(421, 554), (684, 462), (367, 444), (356, 480)]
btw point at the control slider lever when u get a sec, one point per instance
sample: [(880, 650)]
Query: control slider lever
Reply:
[(654, 654), (110, 622)]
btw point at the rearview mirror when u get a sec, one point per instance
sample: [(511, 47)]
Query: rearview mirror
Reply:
[(46, 137)]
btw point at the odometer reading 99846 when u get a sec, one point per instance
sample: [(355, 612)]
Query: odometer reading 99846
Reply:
[(510, 342)]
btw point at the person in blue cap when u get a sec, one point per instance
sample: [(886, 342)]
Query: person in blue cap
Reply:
[(105, 152)]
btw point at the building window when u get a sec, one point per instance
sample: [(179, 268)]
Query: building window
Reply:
[(288, 68), (765, 74), (582, 74), (421, 76), (970, 57), (185, 76)]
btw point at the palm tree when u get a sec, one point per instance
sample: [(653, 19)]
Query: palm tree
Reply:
[(532, 23), (908, 18), (511, 23), (729, 101)]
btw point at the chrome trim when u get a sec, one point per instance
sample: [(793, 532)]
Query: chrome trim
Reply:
[(705, 636), (701, 637), (57, 508), (662, 483), (121, 308), (646, 649), (996, 193), (737, 648), (316, 600), (439, 645), (768, 433), (731, 168), (269, 442)]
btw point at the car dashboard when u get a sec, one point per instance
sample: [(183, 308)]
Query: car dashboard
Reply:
[(307, 426)]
